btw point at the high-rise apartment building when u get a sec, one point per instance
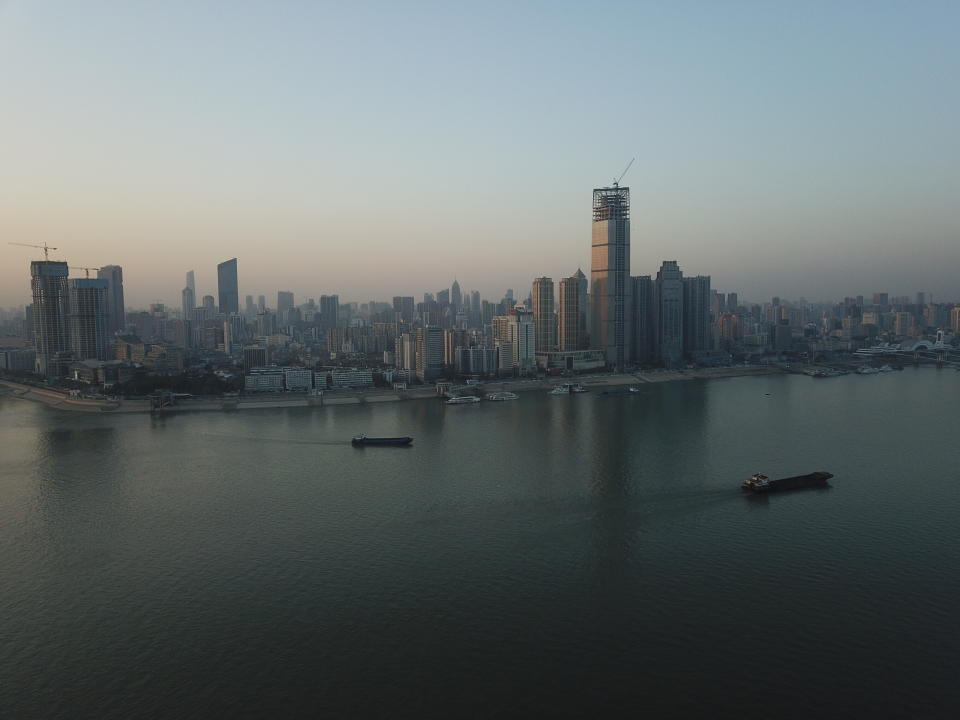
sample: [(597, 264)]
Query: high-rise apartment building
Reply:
[(569, 315), (116, 320), (668, 309), (87, 319), (329, 311), (696, 314), (227, 287), (584, 302), (522, 336), (544, 315), (610, 274), (644, 325), (429, 353), (284, 300), (48, 281), (404, 307)]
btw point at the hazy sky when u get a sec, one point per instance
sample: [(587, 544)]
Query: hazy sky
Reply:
[(793, 148)]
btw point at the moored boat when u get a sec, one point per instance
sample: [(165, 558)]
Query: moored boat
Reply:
[(463, 400), (502, 396)]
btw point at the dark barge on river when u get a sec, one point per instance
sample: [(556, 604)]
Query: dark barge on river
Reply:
[(760, 483)]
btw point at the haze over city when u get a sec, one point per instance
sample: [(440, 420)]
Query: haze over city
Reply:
[(381, 150)]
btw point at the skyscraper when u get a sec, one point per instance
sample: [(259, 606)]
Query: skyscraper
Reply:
[(696, 314), (643, 319), (569, 315), (329, 311), (429, 352), (188, 299), (610, 274), (227, 287), (522, 337), (456, 297), (116, 320), (668, 312), (284, 301), (584, 304), (48, 281), (544, 317), (404, 307), (87, 319)]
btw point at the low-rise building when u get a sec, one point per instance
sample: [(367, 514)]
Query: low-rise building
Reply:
[(264, 379), (298, 379), (572, 360)]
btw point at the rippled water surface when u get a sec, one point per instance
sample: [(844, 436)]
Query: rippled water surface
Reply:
[(565, 556)]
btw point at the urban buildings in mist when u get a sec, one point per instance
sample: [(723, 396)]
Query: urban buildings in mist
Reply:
[(80, 328)]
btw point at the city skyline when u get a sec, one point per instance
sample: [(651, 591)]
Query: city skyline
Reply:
[(800, 152)]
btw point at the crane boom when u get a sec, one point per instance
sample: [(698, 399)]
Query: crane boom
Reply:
[(46, 248), (86, 269), (616, 183)]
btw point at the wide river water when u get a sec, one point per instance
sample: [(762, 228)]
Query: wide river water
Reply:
[(575, 556)]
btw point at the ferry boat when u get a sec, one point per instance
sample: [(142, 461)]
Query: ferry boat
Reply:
[(463, 400), (760, 483), (364, 440), (502, 396)]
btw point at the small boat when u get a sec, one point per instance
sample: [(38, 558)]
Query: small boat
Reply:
[(364, 440), (578, 388), (560, 390), (502, 396), (463, 400), (627, 391)]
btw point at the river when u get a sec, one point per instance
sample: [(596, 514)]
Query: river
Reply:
[(572, 556)]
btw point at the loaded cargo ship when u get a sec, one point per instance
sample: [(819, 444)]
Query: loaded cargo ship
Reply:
[(760, 483), (364, 440)]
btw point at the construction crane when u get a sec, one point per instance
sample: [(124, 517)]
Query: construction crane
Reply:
[(86, 269), (616, 183), (46, 248)]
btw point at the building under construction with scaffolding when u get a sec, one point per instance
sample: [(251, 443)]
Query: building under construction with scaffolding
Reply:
[(610, 286)]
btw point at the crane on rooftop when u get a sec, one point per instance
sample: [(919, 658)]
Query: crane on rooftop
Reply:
[(616, 183), (86, 269), (46, 248)]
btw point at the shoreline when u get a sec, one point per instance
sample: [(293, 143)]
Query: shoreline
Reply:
[(61, 401)]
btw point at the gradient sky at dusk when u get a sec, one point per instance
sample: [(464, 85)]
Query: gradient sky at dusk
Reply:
[(793, 148)]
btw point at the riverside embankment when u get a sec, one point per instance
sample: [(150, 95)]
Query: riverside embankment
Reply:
[(63, 400)]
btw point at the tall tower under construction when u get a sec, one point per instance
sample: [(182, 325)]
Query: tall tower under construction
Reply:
[(610, 287), (48, 281)]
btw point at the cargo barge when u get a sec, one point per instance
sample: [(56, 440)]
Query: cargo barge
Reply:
[(760, 483), (364, 440)]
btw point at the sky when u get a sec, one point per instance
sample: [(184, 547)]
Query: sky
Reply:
[(377, 149)]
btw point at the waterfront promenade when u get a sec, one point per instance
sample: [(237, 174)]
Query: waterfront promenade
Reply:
[(62, 400)]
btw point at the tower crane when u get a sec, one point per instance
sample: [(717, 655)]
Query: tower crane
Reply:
[(616, 183), (46, 248), (86, 269)]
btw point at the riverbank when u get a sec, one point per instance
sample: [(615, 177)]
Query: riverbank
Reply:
[(62, 400)]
